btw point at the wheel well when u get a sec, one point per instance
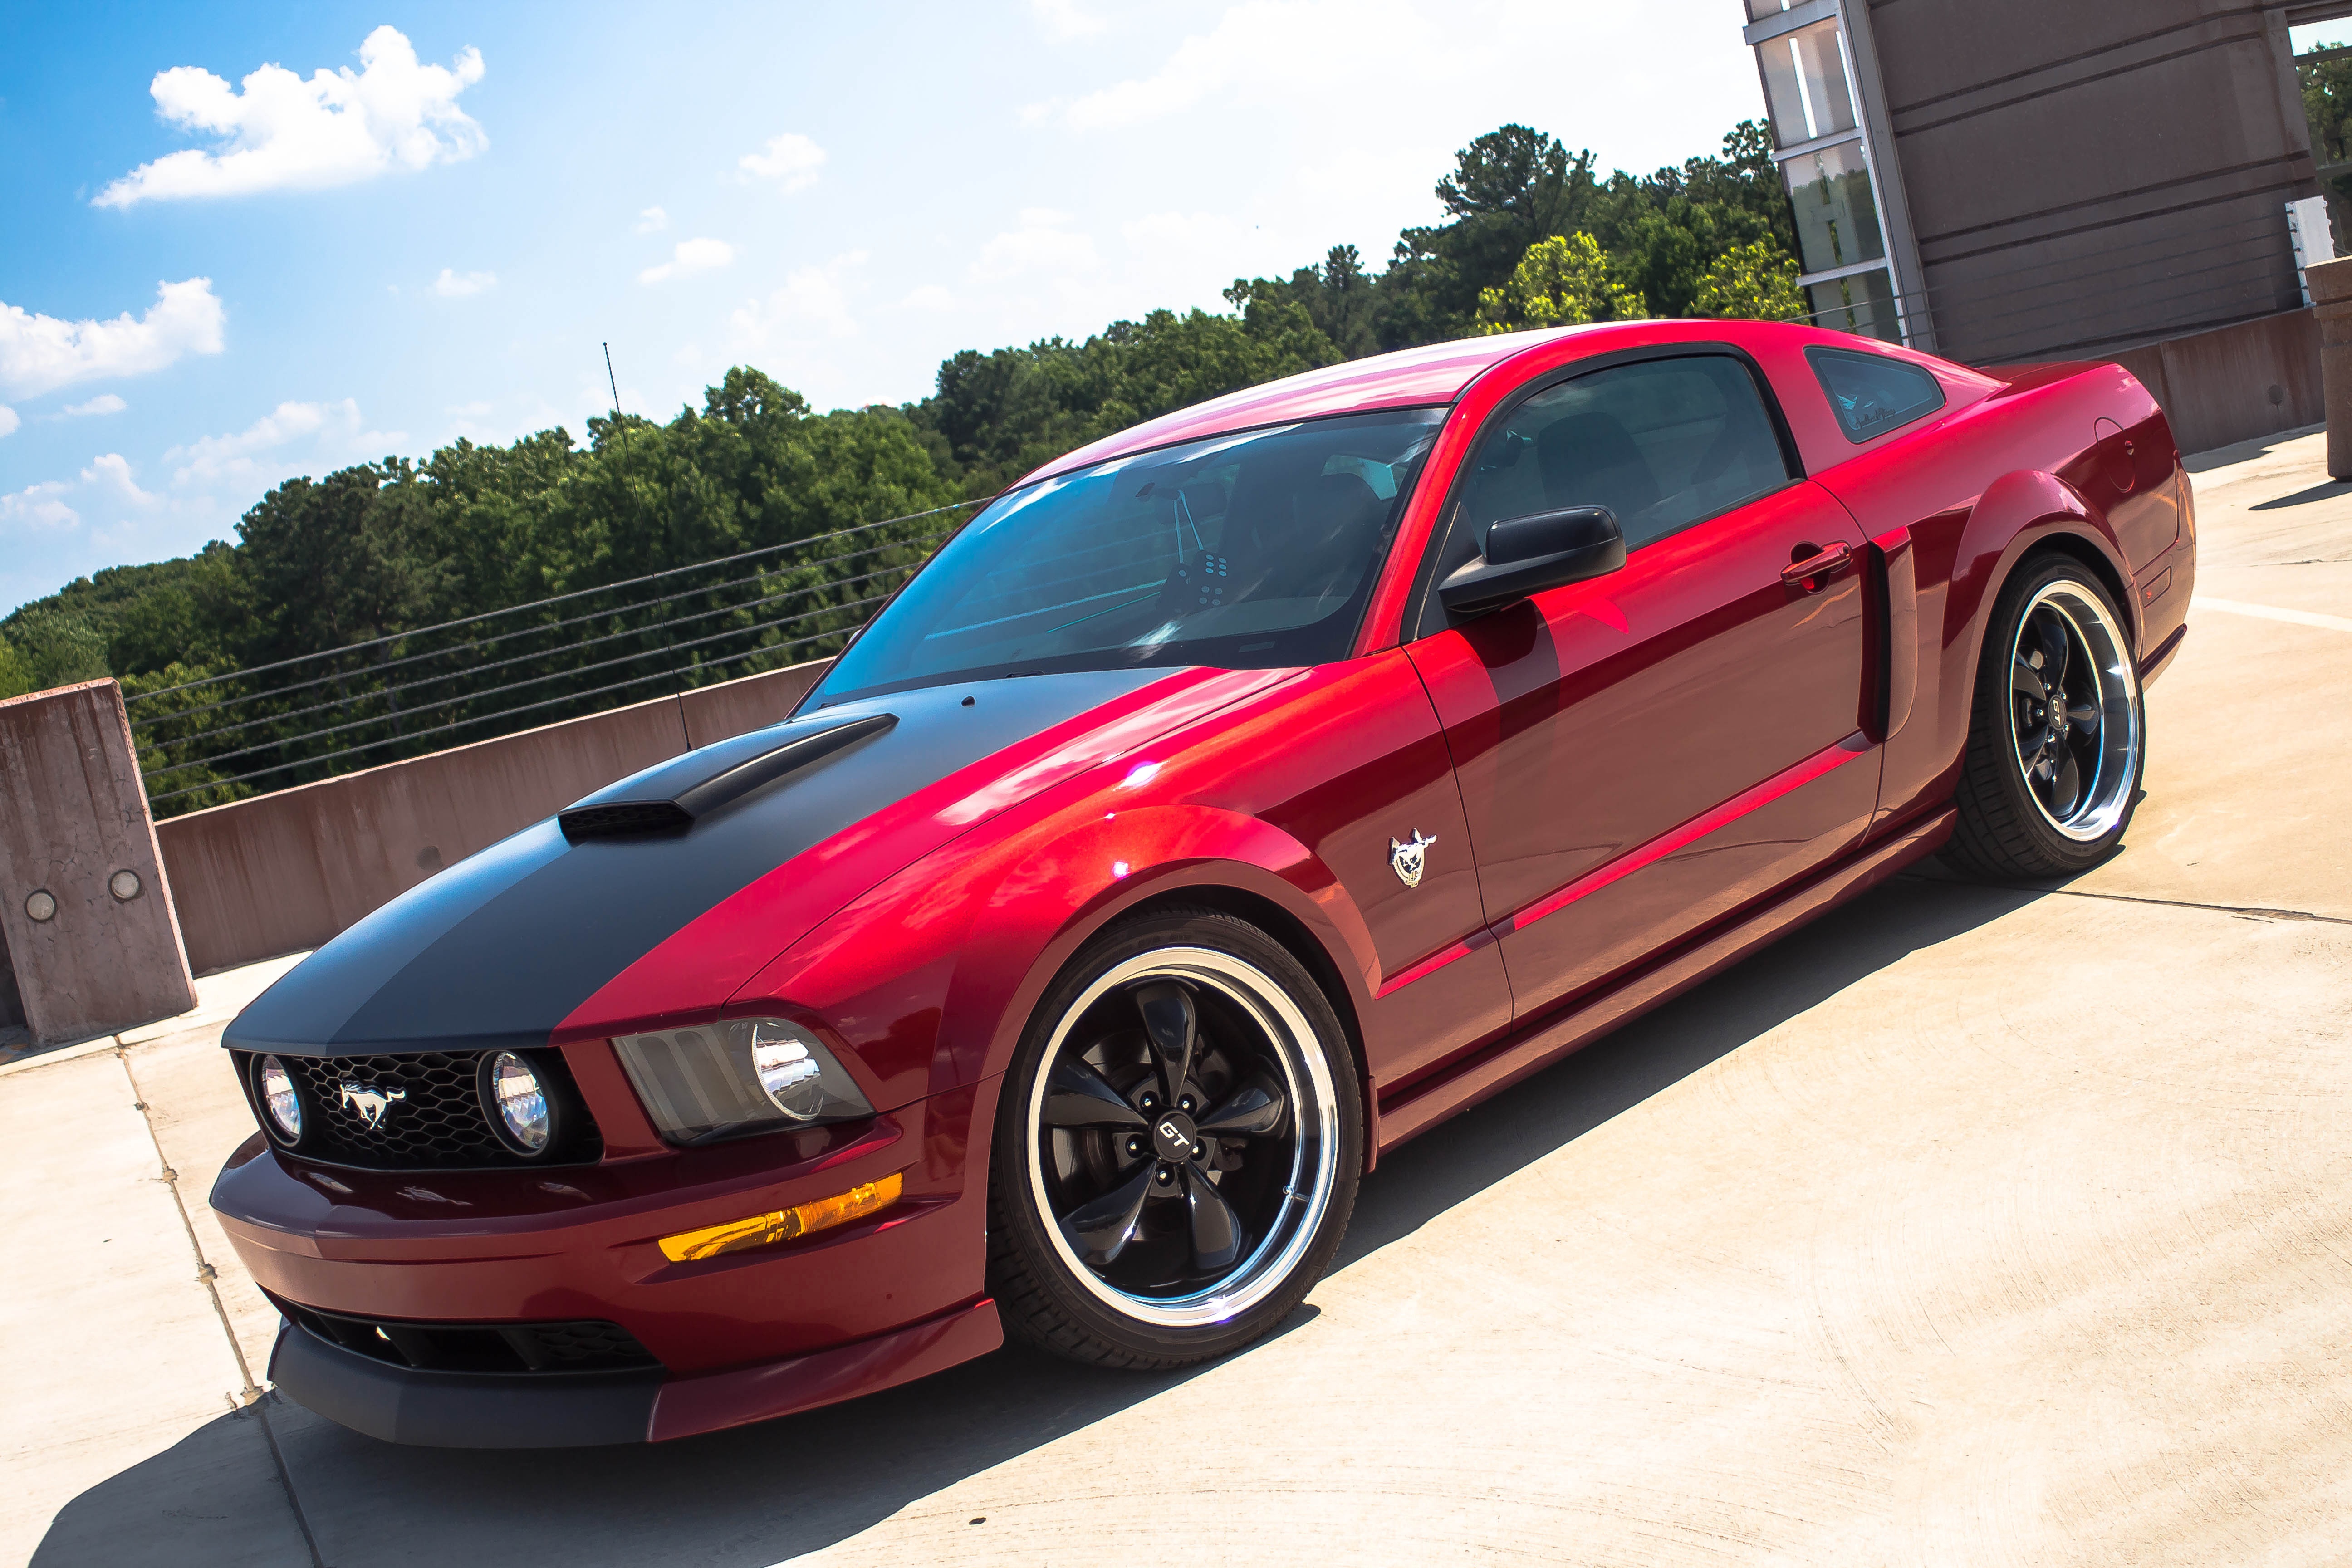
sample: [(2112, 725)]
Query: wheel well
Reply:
[(2083, 550), (1286, 928)]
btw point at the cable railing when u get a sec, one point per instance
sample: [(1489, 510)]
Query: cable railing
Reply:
[(224, 736)]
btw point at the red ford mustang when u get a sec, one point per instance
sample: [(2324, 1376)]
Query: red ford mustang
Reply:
[(1227, 802)]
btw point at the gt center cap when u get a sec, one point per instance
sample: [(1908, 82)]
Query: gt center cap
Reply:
[(1173, 1137)]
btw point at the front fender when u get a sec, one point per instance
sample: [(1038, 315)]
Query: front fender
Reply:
[(929, 980)]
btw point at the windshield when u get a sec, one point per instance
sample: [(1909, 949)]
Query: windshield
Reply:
[(1254, 550)]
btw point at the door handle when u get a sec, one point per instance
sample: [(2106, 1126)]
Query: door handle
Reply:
[(1809, 573)]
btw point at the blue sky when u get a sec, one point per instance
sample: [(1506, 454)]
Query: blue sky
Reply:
[(212, 283)]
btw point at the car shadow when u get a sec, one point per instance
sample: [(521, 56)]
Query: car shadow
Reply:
[(2328, 490), (764, 1493)]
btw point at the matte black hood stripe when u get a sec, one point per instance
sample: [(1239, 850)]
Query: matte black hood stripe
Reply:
[(498, 950)]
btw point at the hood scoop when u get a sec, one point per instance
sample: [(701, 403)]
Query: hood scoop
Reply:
[(671, 796)]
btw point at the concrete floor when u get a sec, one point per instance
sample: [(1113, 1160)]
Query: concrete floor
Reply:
[(1964, 1227)]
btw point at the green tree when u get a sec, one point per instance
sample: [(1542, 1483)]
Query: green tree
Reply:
[(58, 643), (1560, 282), (1755, 282), (16, 671)]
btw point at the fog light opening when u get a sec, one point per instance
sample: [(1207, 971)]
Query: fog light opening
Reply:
[(516, 1102), (280, 1105), (784, 1225)]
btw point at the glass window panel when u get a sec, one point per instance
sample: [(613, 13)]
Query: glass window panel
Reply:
[(1760, 9), (1872, 393), (1837, 219), (1805, 86), (1254, 551), (1662, 442), (1862, 304)]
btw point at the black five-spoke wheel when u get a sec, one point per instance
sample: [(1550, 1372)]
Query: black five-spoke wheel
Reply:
[(1184, 1143), (2055, 752)]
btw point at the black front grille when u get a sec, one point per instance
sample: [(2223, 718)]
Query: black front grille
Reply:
[(432, 1114), (585, 1346)]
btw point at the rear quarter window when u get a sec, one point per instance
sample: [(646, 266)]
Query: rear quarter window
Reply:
[(1871, 394)]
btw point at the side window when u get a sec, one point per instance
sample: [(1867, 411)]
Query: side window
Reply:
[(1662, 442), (1872, 393)]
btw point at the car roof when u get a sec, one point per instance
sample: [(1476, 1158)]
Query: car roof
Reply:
[(1440, 372), (1409, 378)]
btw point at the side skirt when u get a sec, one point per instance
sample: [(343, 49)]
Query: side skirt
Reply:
[(1553, 1039)]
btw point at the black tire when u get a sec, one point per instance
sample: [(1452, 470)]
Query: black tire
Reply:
[(1149, 1296), (2042, 795)]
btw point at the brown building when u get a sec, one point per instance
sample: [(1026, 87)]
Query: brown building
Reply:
[(2007, 180)]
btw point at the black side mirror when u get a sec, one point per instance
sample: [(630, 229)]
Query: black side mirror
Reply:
[(1527, 554)]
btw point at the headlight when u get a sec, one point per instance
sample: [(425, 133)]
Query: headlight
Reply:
[(516, 1103), (279, 1103), (741, 1076)]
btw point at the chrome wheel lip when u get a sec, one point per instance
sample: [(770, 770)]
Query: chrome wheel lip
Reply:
[(2101, 640), (1314, 1158)]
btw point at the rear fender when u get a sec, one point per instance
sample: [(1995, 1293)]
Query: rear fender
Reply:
[(2021, 513)]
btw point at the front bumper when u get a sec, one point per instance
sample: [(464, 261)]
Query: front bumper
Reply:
[(743, 1337), (577, 1410)]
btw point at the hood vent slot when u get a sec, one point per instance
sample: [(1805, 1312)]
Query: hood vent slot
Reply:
[(672, 797), (623, 817)]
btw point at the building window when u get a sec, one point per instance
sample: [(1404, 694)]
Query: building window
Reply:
[(1804, 84), (1861, 302), (1837, 216), (1826, 161)]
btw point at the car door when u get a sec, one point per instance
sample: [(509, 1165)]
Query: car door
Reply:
[(1644, 753)]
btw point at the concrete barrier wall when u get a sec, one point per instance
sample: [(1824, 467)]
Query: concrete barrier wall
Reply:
[(87, 929), (284, 871), (2236, 382)]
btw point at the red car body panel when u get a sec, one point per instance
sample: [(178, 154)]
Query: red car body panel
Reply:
[(1630, 781)]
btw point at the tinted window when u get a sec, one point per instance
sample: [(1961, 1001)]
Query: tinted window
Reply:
[(1662, 442), (1249, 552), (1872, 393)]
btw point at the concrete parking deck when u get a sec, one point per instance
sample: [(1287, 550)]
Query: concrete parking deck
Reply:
[(1967, 1225)]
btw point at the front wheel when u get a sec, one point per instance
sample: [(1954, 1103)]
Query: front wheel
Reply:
[(1178, 1146), (2058, 738)]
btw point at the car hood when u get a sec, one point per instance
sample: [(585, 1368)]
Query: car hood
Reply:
[(501, 948)]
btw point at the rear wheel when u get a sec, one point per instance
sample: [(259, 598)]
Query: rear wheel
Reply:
[(1179, 1142), (2058, 738)]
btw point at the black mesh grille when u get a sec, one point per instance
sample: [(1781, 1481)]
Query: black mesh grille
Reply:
[(431, 1113), (585, 1346)]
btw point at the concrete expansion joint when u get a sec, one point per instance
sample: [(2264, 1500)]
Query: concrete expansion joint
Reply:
[(206, 1275)]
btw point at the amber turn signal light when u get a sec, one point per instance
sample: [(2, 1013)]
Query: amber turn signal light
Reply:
[(784, 1225)]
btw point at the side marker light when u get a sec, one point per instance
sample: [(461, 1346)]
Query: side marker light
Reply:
[(784, 1225)]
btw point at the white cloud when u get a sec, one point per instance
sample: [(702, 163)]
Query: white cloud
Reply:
[(1063, 19), (652, 220), (111, 472), (930, 297), (691, 257), (1045, 243), (104, 402), (792, 161), (1260, 43), (8, 420), (281, 132), (41, 353), (38, 505), (812, 304), (333, 428), (458, 285)]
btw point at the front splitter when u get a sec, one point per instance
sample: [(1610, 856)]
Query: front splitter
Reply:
[(573, 1410)]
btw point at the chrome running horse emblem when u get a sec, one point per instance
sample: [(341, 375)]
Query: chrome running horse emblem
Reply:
[(1410, 860), (371, 1102)]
